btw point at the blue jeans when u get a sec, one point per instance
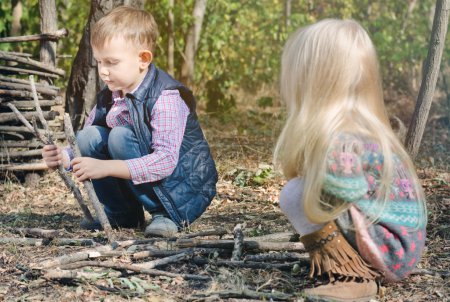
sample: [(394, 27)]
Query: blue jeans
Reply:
[(122, 199)]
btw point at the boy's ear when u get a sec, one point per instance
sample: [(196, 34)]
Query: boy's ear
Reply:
[(146, 57)]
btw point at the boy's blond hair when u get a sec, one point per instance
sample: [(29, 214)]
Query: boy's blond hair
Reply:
[(330, 82), (134, 25)]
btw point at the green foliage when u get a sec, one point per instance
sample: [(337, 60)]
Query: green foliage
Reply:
[(241, 41)]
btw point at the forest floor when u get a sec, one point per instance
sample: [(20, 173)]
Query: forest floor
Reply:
[(248, 188)]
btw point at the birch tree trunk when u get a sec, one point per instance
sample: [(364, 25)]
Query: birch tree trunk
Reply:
[(429, 79), (170, 39), (84, 82), (192, 39), (16, 16), (49, 23), (287, 12)]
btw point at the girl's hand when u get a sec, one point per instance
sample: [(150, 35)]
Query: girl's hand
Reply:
[(86, 168), (52, 156)]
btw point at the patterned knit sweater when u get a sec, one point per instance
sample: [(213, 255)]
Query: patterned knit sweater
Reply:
[(392, 244)]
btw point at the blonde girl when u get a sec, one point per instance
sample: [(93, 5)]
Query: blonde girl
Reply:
[(352, 194)]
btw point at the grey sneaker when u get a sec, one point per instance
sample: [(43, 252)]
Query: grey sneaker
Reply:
[(161, 227)]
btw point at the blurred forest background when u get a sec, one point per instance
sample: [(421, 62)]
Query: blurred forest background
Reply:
[(233, 67), (238, 54)]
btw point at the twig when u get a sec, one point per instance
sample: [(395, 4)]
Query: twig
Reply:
[(248, 245), (244, 293), (68, 129), (134, 268), (43, 66), (48, 241), (276, 257), (422, 271), (165, 253), (57, 274), (61, 171), (166, 260), (8, 117), (218, 232), (238, 243), (249, 264), (54, 36), (37, 232), (74, 257), (27, 71), (278, 237)]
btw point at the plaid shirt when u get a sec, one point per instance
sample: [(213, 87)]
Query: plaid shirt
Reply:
[(168, 121)]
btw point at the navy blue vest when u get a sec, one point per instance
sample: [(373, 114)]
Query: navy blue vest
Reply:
[(188, 191)]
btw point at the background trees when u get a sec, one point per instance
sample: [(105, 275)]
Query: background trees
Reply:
[(229, 49)]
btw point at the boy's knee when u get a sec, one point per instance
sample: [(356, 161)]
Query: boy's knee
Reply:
[(119, 142), (92, 140)]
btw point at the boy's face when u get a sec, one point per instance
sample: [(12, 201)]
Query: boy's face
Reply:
[(121, 65)]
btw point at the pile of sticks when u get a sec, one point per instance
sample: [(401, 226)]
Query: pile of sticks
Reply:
[(167, 257), (19, 150)]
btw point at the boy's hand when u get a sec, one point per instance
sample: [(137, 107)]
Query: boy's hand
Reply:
[(52, 156), (86, 168)]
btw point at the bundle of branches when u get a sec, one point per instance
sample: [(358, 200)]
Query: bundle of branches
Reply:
[(17, 143), (189, 257)]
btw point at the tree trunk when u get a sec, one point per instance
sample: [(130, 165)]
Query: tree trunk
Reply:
[(49, 23), (287, 12), (170, 39), (430, 75), (84, 82), (16, 16), (192, 39)]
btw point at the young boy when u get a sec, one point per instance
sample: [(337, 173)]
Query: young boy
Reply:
[(142, 144)]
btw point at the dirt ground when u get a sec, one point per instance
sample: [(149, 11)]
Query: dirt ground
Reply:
[(248, 191)]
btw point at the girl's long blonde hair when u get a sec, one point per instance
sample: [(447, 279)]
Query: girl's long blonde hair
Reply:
[(330, 82)]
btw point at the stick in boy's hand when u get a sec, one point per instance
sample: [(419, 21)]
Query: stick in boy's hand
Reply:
[(61, 171), (70, 136)]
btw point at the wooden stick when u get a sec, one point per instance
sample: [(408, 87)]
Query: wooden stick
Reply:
[(217, 232), (20, 54), (166, 260), (70, 135), (24, 167), (134, 268), (8, 57), (13, 154), (249, 264), (54, 36), (248, 245), (58, 135), (18, 70), (14, 86), (22, 144), (277, 237), (422, 271), (71, 258), (30, 104), (245, 293), (15, 93), (61, 171), (57, 274), (238, 243), (47, 241), (37, 232), (276, 257), (165, 253), (25, 82), (8, 116)]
